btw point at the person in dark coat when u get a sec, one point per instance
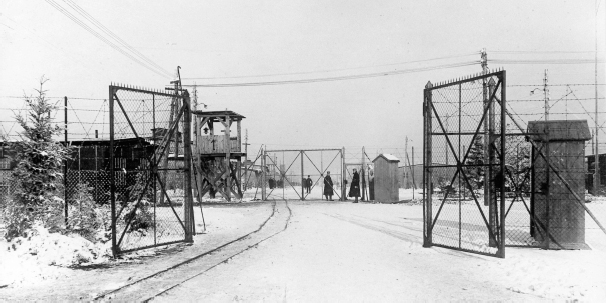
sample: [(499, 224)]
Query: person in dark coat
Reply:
[(354, 190), (328, 187), (308, 184)]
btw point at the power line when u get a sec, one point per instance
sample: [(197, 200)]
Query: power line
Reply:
[(99, 25), (544, 52), (546, 61), (103, 39), (350, 77), (329, 70)]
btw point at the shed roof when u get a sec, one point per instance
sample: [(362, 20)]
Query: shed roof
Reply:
[(218, 113), (559, 130), (387, 157)]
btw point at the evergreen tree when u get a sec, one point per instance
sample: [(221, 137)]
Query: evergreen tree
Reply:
[(38, 174), (475, 174)]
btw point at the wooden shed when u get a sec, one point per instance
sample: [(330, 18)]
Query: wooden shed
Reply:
[(553, 206), (386, 185)]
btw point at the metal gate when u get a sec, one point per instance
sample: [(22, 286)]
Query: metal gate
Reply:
[(289, 171), (464, 164), (149, 165)]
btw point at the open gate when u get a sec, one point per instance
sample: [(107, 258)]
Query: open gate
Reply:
[(463, 164), (289, 170), (149, 168)]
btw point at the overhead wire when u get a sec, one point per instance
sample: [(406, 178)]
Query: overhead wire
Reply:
[(103, 39), (545, 61), (544, 52), (103, 28), (339, 78), (329, 70)]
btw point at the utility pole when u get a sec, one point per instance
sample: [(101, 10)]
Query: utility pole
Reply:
[(414, 184), (484, 63), (410, 169), (246, 160), (405, 174), (546, 96)]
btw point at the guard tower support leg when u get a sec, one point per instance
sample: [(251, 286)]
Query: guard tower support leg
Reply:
[(227, 158)]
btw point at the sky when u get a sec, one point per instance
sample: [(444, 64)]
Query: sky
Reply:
[(228, 42)]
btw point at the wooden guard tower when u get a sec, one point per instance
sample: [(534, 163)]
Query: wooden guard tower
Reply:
[(218, 153)]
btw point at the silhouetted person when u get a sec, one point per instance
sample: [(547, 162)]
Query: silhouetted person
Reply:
[(308, 183), (354, 190), (328, 187), (371, 183)]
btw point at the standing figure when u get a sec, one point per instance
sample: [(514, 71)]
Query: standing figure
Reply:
[(354, 190), (308, 183), (371, 183), (328, 187)]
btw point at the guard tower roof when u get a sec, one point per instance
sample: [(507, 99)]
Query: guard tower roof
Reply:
[(559, 130), (220, 113)]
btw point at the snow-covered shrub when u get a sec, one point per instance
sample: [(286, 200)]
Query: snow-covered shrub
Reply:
[(141, 217), (37, 175), (57, 249), (86, 218)]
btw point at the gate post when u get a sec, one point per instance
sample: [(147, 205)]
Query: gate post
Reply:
[(263, 175), (187, 188), (492, 195), (343, 175), (302, 178), (427, 178), (501, 252), (112, 178)]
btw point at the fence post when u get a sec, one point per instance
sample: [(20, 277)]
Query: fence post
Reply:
[(189, 211), (343, 175), (112, 178), (302, 178), (427, 161), (363, 175), (263, 175), (65, 163)]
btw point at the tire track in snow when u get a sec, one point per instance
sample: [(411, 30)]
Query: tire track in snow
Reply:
[(271, 230), (402, 235), (375, 227), (169, 278)]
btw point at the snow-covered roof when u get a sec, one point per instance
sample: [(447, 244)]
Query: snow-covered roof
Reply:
[(388, 157)]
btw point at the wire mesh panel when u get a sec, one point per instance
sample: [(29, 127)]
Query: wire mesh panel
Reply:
[(252, 172), (304, 174), (464, 164), (147, 157), (518, 167)]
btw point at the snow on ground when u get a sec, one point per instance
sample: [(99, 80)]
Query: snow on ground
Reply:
[(332, 251), (23, 277), (335, 251)]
